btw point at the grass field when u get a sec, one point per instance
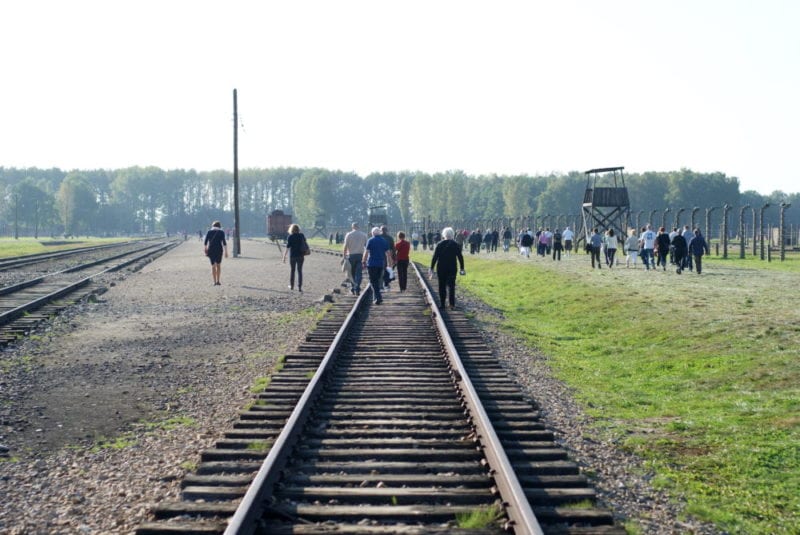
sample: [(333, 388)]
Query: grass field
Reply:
[(698, 374)]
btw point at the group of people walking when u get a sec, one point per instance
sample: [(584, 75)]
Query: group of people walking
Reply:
[(546, 242), (384, 257), (387, 259), (683, 248)]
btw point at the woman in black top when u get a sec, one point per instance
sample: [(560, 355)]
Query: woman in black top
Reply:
[(215, 245), (295, 248), (446, 254)]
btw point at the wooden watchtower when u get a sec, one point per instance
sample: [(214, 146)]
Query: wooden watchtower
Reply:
[(319, 225), (606, 204)]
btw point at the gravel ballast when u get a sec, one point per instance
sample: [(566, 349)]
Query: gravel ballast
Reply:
[(96, 407)]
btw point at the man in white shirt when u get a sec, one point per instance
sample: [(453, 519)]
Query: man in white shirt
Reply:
[(567, 236), (687, 235), (354, 243), (647, 241)]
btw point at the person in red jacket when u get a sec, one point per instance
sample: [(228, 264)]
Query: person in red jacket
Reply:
[(402, 249)]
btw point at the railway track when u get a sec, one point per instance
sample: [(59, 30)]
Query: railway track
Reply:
[(38, 258), (388, 419), (25, 304)]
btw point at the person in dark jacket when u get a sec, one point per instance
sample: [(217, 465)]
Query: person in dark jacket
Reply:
[(215, 246), (296, 247), (663, 248), (698, 246), (680, 249), (446, 254)]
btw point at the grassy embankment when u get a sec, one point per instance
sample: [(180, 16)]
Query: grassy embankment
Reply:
[(700, 375), (9, 247)]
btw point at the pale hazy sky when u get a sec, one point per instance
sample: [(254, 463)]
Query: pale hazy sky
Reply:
[(486, 87)]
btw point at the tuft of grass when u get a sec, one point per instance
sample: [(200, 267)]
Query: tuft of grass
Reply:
[(259, 445), (169, 424), (260, 385), (189, 466), (481, 518), (119, 443)]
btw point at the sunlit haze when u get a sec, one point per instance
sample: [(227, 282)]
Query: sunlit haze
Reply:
[(502, 87)]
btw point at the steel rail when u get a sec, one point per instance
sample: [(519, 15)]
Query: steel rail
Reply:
[(11, 315), (518, 508), (521, 516), (244, 519), (33, 282), (37, 258)]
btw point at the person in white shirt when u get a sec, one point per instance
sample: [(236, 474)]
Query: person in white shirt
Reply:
[(354, 243), (631, 248), (567, 236), (687, 235), (647, 241)]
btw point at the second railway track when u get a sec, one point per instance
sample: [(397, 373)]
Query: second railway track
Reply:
[(387, 425), (24, 304)]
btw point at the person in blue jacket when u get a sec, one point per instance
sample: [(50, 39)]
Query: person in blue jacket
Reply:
[(376, 257)]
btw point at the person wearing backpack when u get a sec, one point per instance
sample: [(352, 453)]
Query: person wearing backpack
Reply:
[(557, 247)]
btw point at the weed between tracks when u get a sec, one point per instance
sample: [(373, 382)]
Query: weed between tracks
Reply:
[(480, 518), (697, 374)]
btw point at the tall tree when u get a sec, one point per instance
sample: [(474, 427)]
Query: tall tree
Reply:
[(33, 206), (77, 203)]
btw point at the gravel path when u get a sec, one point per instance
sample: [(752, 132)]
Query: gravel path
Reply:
[(88, 405)]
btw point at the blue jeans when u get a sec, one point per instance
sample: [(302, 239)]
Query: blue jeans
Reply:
[(647, 258), (355, 266)]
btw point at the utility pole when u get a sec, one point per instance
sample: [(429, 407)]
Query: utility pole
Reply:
[(237, 245)]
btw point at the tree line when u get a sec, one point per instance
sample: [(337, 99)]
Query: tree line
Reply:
[(145, 200)]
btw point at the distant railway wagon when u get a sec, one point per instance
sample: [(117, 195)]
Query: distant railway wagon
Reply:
[(278, 225)]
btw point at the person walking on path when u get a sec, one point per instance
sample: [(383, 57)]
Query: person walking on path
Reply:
[(377, 256), (680, 248), (663, 248), (525, 243), (647, 241), (611, 243), (215, 246), (446, 254), (687, 235), (557, 246), (387, 279), (402, 249), (296, 248), (506, 239), (697, 246), (354, 243), (568, 236), (595, 243), (631, 248)]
